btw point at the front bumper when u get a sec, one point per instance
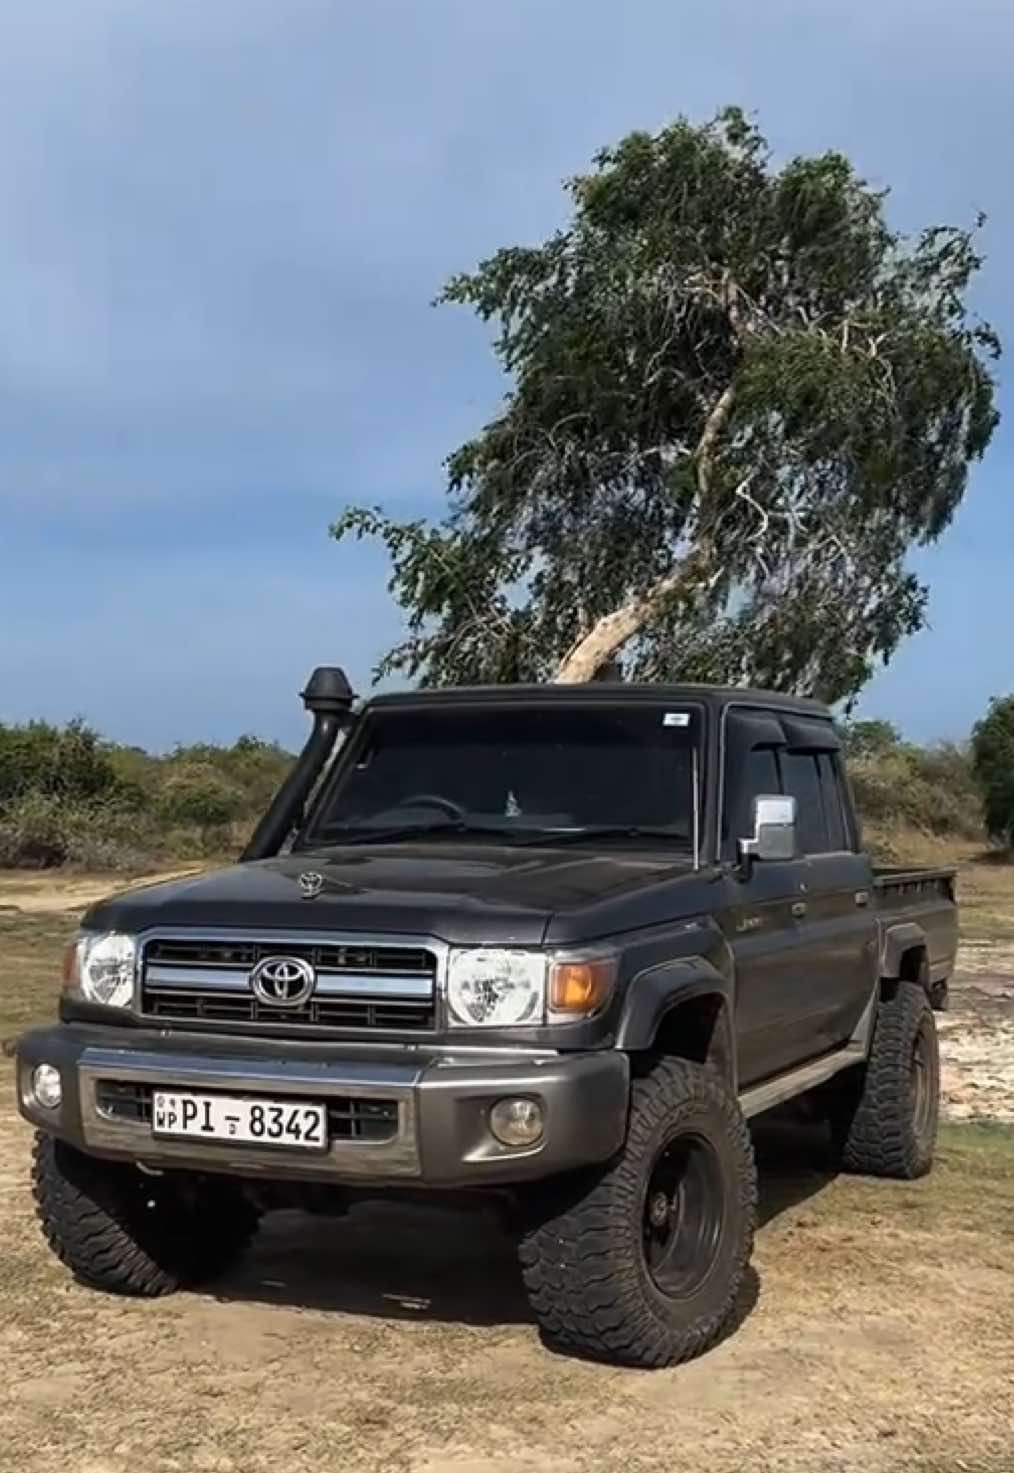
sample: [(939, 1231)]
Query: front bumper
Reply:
[(442, 1101)]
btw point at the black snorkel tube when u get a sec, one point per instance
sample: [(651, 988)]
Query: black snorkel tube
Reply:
[(329, 698)]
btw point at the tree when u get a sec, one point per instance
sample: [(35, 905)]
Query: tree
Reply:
[(868, 740), (993, 758), (737, 399)]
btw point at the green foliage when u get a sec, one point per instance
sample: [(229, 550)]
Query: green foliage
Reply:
[(993, 750), (900, 786), (866, 739), (195, 793), (60, 762), (737, 399), (67, 797)]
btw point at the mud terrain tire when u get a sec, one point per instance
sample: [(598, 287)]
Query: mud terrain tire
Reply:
[(643, 1263)]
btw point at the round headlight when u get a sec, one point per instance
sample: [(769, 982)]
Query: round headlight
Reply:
[(106, 969), (495, 988)]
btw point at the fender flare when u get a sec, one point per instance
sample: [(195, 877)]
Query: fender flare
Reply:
[(900, 938), (654, 992)]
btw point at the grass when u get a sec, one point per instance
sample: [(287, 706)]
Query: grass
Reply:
[(31, 956)]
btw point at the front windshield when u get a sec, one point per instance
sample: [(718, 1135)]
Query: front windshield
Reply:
[(516, 773)]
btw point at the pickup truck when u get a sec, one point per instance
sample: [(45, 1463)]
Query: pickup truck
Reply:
[(552, 945)]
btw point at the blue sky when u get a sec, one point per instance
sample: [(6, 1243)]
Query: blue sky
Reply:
[(221, 225)]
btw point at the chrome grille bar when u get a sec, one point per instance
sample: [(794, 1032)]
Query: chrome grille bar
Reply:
[(363, 984)]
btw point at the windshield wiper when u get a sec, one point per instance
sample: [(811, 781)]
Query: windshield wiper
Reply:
[(550, 838), (359, 834)]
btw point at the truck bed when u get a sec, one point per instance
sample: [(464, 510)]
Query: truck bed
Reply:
[(919, 900)]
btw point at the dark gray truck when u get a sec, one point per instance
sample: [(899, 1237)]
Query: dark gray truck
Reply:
[(550, 944)]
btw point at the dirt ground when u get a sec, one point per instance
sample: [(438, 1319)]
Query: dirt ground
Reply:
[(878, 1333)]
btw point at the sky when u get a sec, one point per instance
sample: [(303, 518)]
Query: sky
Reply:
[(222, 226)]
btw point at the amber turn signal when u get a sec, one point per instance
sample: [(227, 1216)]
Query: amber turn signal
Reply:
[(71, 967), (580, 988)]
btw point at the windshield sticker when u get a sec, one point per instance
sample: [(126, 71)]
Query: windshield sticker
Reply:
[(676, 718)]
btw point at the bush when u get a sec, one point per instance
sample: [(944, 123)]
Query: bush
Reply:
[(993, 754), (254, 767), (68, 763), (195, 793), (898, 785), (67, 797)]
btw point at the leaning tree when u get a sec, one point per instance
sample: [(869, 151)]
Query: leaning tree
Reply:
[(737, 399)]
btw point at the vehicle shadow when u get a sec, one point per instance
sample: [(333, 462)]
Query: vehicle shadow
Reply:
[(794, 1161), (414, 1261), (393, 1260)]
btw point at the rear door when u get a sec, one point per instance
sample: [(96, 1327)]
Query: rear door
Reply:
[(837, 914), (803, 933)]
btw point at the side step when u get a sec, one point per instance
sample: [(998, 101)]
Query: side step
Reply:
[(761, 1097)]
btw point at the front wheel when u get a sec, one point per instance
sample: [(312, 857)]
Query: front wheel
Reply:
[(129, 1233), (642, 1264)]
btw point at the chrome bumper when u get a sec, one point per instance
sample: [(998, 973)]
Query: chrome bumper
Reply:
[(443, 1100)]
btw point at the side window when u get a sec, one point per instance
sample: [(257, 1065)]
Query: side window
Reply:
[(830, 785), (801, 780), (758, 774)]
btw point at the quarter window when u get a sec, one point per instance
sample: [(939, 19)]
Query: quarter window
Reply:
[(801, 779), (834, 812)]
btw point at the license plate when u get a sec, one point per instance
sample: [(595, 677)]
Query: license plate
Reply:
[(256, 1122)]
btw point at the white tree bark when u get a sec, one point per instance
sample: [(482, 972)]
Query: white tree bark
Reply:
[(611, 632)]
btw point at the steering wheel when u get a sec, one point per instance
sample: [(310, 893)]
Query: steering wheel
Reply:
[(433, 800)]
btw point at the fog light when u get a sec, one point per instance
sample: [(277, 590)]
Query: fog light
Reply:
[(516, 1122), (46, 1086)]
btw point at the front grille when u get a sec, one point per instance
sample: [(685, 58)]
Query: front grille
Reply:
[(361, 987), (348, 1118)]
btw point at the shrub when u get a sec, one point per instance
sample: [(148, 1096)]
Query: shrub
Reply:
[(898, 785), (67, 797), (993, 752), (195, 793), (68, 762)]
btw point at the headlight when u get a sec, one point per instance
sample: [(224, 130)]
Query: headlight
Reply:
[(100, 968), (499, 988), (495, 988)]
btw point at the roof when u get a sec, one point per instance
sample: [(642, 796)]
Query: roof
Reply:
[(598, 692)]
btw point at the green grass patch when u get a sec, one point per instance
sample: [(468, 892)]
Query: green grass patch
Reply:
[(31, 958)]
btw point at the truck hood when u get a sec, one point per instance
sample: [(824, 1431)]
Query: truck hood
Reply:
[(462, 893)]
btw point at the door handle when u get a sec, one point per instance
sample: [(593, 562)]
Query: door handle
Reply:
[(798, 909), (862, 897)]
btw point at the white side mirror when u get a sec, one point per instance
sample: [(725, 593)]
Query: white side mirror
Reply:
[(774, 829)]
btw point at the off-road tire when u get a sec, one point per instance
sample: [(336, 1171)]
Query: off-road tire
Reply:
[(121, 1230), (583, 1256), (883, 1119)]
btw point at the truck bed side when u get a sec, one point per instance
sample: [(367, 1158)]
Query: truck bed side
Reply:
[(916, 911)]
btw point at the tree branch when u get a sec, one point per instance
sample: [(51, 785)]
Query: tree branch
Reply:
[(611, 632)]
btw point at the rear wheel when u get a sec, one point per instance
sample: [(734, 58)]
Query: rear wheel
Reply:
[(119, 1229), (884, 1117), (642, 1264)]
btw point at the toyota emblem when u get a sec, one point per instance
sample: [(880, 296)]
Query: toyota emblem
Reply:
[(310, 884), (283, 981)]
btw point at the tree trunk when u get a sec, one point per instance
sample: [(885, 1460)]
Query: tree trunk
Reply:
[(611, 632)]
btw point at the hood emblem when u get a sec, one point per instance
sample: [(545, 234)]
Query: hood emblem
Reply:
[(283, 981), (310, 884)]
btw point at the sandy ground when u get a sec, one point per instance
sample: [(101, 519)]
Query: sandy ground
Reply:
[(877, 1336)]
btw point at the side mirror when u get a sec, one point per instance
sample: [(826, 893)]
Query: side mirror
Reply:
[(774, 829)]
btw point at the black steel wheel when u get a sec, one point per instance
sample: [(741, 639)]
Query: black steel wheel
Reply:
[(684, 1210)]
